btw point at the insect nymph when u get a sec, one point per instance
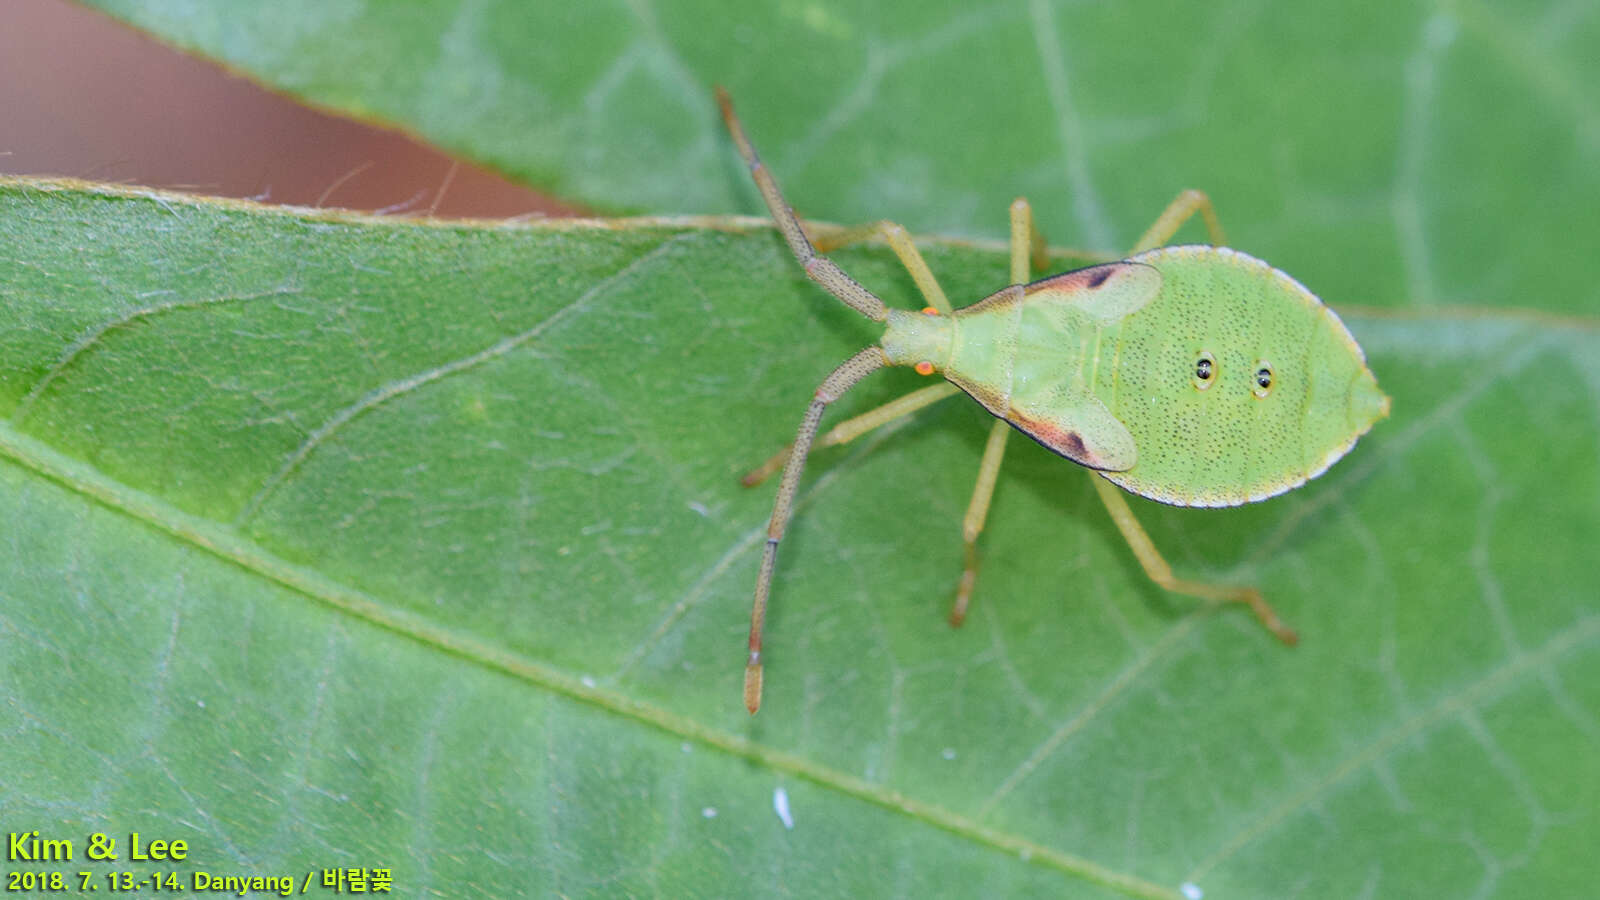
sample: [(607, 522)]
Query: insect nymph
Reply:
[(1192, 375)]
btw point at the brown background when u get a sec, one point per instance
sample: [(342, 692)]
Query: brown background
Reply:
[(83, 96)]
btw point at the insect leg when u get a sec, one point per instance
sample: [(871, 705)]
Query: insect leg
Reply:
[(842, 379), (828, 238), (1182, 207), (1156, 567), (900, 242), (994, 451), (850, 429), (819, 268), (1026, 245)]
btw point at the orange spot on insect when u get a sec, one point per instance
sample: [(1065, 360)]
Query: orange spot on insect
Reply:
[(929, 311), (924, 368)]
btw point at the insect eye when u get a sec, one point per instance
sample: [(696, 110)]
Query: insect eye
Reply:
[(1205, 371), (1263, 385)]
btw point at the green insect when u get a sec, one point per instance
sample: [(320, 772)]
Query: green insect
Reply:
[(1192, 375)]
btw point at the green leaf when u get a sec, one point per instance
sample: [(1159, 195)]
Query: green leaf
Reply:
[(345, 542), (1413, 153), (350, 543)]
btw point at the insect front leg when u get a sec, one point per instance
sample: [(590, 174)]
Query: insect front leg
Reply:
[(1161, 573), (850, 429), (1179, 211), (900, 242)]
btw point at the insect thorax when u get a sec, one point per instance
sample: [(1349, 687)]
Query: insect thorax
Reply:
[(916, 337)]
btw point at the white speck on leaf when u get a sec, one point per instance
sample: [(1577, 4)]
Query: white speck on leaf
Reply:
[(1191, 890), (709, 812), (780, 805), (949, 753), (587, 681), (700, 508)]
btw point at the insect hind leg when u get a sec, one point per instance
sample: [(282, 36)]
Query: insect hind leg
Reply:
[(1156, 567), (1180, 210)]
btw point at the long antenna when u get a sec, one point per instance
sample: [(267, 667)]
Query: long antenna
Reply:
[(842, 379), (821, 269)]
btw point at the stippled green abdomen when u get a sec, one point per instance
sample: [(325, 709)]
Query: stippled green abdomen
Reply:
[(1236, 382)]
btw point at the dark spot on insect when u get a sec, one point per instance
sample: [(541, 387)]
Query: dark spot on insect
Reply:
[(1073, 443), (1263, 378), (1205, 371), (1099, 277)]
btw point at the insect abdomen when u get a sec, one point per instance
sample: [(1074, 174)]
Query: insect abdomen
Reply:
[(1224, 439)]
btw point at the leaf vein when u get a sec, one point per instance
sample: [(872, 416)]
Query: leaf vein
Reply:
[(386, 392), (1460, 702), (1113, 689), (92, 338)]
